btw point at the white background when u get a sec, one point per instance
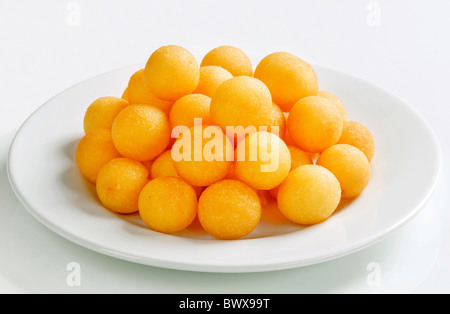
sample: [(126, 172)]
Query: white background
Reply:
[(42, 53)]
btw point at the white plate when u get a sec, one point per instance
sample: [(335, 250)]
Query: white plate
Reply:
[(45, 178)]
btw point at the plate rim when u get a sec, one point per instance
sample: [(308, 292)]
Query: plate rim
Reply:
[(235, 268)]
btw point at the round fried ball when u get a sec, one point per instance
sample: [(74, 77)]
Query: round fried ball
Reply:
[(229, 209), (309, 195), (298, 158), (211, 77), (102, 112), (141, 132), (119, 184), (271, 213), (241, 102), (356, 134), (189, 107), (336, 101), (171, 72), (230, 58), (287, 138), (93, 152), (262, 160), (168, 204), (202, 155), (163, 166), (314, 124), (125, 94), (138, 93), (277, 119), (350, 166), (288, 78)]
